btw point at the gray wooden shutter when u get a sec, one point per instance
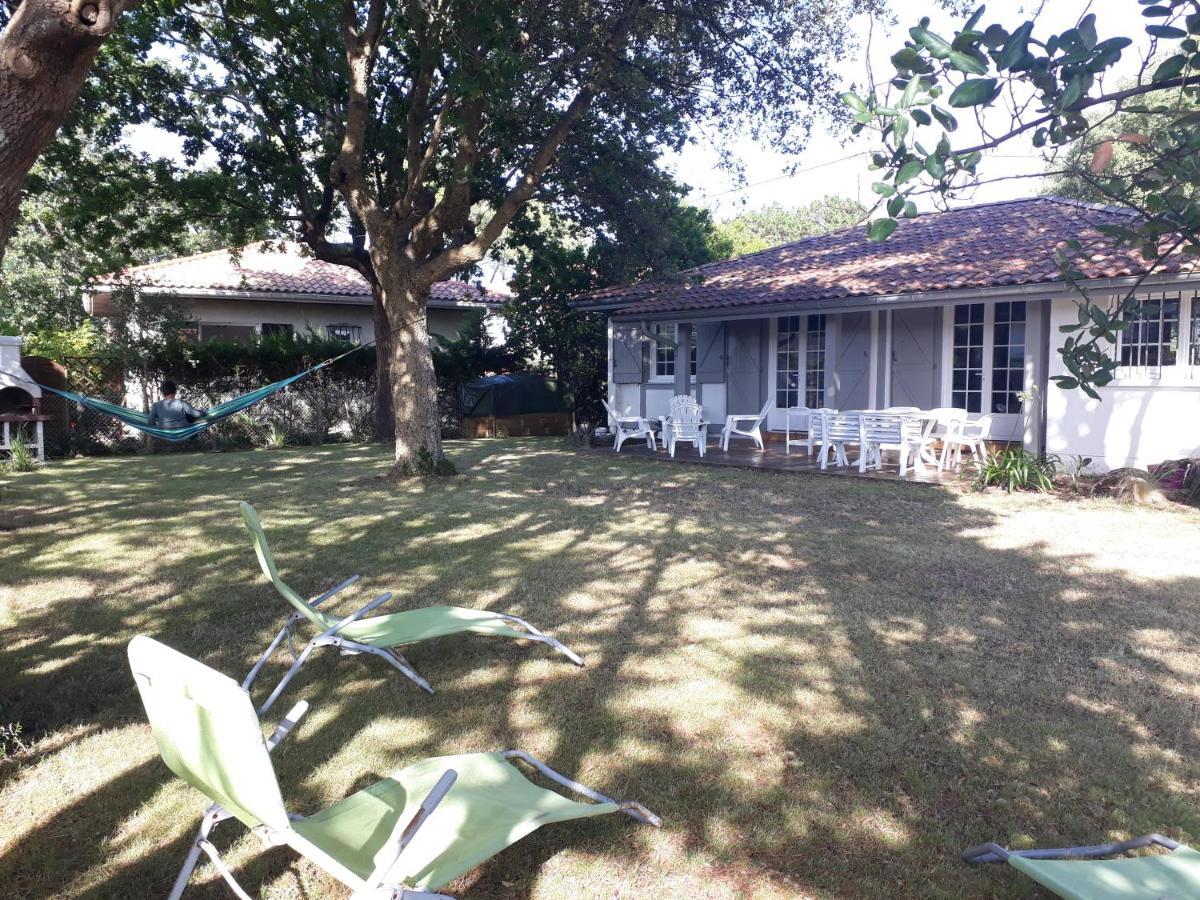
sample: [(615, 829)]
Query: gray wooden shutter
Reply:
[(627, 354), (710, 353)]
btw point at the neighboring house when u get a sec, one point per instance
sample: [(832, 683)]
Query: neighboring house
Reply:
[(264, 290), (960, 308)]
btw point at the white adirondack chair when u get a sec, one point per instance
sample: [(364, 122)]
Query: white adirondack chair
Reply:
[(685, 423), (745, 426), (967, 434), (627, 426)]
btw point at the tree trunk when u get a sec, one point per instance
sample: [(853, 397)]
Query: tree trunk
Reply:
[(385, 418), (418, 429), (46, 53)]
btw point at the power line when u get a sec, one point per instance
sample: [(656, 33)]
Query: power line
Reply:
[(786, 175)]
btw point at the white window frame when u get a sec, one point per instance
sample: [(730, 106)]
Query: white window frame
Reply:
[(773, 345), (655, 349), (1005, 422), (355, 331), (1182, 367), (655, 378)]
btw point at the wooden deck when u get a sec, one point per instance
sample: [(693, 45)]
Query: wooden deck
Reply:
[(743, 454)]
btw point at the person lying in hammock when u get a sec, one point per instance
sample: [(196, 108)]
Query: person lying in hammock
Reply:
[(171, 413)]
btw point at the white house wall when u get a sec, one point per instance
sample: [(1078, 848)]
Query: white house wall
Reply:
[(302, 315), (1141, 419)]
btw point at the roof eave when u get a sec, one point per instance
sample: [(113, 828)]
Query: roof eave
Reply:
[(998, 293), (287, 296)]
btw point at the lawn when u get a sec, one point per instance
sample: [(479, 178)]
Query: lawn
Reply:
[(827, 687)]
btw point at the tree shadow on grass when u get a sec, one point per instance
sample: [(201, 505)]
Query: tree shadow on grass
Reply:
[(825, 686)]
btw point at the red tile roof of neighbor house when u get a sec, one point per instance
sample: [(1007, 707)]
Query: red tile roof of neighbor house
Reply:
[(265, 268), (991, 245)]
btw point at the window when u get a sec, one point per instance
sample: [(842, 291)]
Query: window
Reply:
[(966, 378), (215, 332), (664, 351), (344, 331), (1008, 357), (277, 329), (1194, 331), (1152, 339), (814, 363), (787, 363)]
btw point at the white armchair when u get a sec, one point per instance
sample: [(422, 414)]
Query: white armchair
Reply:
[(686, 423), (965, 435), (745, 426), (626, 426)]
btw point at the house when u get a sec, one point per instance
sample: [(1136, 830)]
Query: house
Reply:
[(960, 308), (274, 288)]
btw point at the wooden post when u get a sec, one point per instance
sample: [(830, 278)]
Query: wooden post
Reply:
[(683, 358)]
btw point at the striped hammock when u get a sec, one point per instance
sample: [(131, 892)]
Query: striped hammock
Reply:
[(141, 421)]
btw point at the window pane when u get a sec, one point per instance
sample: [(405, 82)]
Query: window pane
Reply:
[(1008, 358), (787, 363), (1152, 339), (1195, 331), (814, 362), (966, 375)]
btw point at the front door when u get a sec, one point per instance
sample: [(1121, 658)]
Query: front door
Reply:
[(914, 357), (745, 366)]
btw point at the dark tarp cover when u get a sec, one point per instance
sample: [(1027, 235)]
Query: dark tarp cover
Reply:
[(513, 394)]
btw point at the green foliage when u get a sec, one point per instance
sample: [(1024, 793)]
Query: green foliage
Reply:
[(275, 437), (1016, 469), (21, 456), (471, 353), (261, 359), (775, 224), (85, 339), (1152, 169), (556, 262)]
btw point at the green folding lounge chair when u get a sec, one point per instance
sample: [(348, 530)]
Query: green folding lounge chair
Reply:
[(403, 837), (1081, 873), (378, 635)]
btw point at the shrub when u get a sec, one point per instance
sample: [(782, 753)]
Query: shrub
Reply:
[(22, 457), (274, 438), (1129, 486), (1016, 469)]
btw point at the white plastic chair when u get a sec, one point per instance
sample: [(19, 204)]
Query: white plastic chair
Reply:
[(939, 423), (967, 434), (685, 423), (883, 432), (835, 431), (626, 427), (745, 426)]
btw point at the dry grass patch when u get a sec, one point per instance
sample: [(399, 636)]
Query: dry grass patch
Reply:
[(827, 687)]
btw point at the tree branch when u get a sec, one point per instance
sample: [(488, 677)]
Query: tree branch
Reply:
[(362, 49)]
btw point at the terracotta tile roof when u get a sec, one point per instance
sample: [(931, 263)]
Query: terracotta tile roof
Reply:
[(987, 246), (265, 269)]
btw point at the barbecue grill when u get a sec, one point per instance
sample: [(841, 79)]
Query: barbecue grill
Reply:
[(20, 399)]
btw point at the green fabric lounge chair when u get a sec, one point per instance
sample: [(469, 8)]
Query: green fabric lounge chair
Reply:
[(403, 837), (378, 635), (1081, 873)]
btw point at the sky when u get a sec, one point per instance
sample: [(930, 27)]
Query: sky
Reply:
[(823, 168)]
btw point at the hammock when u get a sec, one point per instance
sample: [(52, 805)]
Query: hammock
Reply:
[(141, 421)]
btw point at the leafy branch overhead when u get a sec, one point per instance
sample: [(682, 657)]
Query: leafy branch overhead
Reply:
[(1051, 90)]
